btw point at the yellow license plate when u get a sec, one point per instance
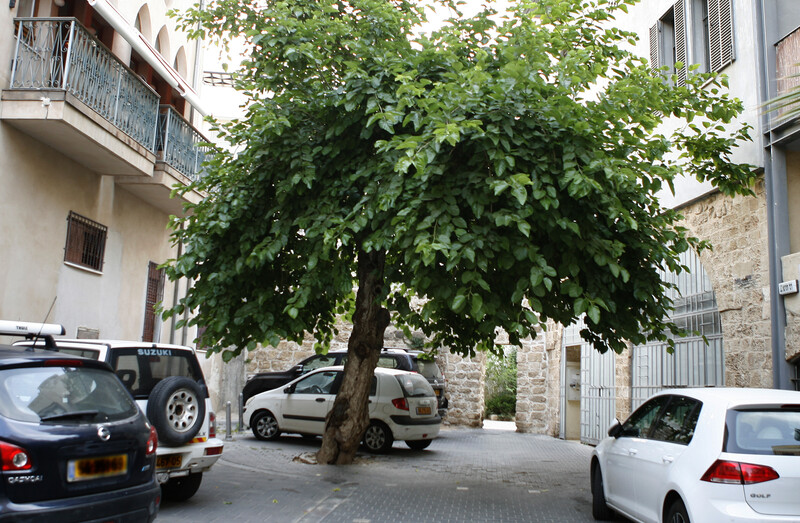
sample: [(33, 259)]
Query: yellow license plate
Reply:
[(168, 461), (93, 468), (423, 410), (437, 391)]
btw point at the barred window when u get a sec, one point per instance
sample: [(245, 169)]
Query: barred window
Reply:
[(86, 242), (155, 294)]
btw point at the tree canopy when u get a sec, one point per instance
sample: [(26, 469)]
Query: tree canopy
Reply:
[(503, 172)]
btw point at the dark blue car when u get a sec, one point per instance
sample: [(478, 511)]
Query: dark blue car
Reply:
[(73, 443)]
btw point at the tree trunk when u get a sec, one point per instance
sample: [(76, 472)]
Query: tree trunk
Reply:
[(349, 417)]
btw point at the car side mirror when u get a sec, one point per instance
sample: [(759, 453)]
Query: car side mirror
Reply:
[(298, 370), (616, 429), (289, 390)]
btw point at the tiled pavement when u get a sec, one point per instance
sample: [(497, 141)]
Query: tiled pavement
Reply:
[(465, 475)]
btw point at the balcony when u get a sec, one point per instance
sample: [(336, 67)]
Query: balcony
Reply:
[(71, 93), (179, 159), (787, 57)]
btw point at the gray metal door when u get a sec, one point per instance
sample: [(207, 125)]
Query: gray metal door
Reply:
[(597, 387), (693, 363)]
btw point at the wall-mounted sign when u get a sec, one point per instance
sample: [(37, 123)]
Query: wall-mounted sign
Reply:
[(787, 287)]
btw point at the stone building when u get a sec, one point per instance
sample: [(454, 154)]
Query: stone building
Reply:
[(742, 295)]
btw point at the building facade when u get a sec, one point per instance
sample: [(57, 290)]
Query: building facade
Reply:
[(740, 298), (98, 121)]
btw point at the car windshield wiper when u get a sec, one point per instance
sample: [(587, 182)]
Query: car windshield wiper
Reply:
[(78, 414)]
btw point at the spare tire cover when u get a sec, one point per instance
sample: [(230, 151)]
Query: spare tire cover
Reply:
[(177, 409)]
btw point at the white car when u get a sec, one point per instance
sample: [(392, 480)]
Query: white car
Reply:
[(168, 385), (703, 455), (402, 406)]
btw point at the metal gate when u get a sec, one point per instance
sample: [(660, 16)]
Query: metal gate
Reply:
[(693, 364), (597, 386)]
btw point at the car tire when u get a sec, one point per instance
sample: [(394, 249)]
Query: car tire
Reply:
[(419, 444), (183, 488), (600, 510), (378, 438), (677, 512), (265, 426), (177, 409)]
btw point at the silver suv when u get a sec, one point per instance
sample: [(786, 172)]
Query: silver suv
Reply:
[(168, 384)]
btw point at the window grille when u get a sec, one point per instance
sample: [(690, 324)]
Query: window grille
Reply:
[(155, 294), (86, 242)]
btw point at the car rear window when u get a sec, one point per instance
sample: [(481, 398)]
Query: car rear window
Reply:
[(140, 369), (63, 395), (414, 385), (764, 431), (429, 369)]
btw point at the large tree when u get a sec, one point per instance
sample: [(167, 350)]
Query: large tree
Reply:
[(503, 173)]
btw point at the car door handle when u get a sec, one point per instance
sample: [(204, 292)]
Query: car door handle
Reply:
[(632, 452), (320, 400), (667, 459)]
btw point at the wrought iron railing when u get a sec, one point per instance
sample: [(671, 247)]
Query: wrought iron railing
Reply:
[(179, 144), (60, 54)]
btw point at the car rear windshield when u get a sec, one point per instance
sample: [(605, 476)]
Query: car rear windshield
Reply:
[(764, 431), (429, 369), (140, 369), (63, 395), (414, 385)]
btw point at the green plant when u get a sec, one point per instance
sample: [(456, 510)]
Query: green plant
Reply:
[(501, 385)]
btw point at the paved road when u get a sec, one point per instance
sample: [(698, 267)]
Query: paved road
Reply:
[(470, 475)]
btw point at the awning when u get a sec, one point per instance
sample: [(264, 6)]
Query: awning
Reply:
[(148, 52)]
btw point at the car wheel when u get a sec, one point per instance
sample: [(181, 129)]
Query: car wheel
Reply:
[(600, 510), (265, 426), (176, 408), (378, 438), (181, 489), (419, 444), (677, 513)]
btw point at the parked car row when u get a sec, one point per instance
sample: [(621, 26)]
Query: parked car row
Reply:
[(401, 359), (402, 406), (74, 439)]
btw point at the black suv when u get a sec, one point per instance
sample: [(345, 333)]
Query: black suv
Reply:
[(402, 359), (74, 445)]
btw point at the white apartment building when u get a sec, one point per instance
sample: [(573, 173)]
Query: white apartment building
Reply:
[(98, 121)]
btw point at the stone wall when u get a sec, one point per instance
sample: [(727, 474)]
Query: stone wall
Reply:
[(738, 268), (465, 388), (538, 382)]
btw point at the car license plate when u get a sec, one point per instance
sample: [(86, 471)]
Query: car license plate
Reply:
[(437, 391), (423, 410), (84, 469), (168, 461)]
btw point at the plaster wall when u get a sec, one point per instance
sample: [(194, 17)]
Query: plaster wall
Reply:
[(644, 15), (40, 186)]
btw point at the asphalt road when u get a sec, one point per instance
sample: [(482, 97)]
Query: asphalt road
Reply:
[(470, 475)]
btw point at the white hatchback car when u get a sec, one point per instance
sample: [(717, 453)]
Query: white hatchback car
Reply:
[(703, 455), (402, 407)]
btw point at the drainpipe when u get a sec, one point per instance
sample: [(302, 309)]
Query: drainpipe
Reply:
[(776, 195), (197, 66), (175, 294)]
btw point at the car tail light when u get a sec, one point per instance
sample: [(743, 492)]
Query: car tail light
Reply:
[(400, 403), (735, 473), (213, 451), (212, 425), (14, 457), (152, 442)]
